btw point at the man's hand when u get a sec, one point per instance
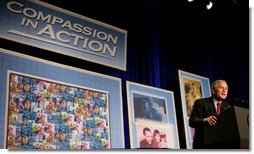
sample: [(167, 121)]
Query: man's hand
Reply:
[(211, 120)]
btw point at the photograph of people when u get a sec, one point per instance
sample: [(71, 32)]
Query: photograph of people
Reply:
[(193, 92), (151, 117), (147, 140), (156, 139), (56, 115), (149, 108), (152, 139)]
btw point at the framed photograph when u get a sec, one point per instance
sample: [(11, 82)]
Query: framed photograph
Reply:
[(149, 108), (152, 118), (53, 114), (192, 87), (156, 136), (53, 106)]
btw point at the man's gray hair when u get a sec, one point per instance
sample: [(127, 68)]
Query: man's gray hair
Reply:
[(215, 83)]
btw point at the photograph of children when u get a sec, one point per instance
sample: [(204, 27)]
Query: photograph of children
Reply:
[(149, 108), (150, 137), (193, 92), (11, 130), (51, 115), (38, 146), (85, 145)]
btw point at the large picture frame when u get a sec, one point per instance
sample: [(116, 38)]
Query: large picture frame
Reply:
[(152, 117), (192, 87), (46, 105), (55, 115)]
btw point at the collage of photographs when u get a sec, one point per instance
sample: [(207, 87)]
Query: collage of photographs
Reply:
[(49, 115)]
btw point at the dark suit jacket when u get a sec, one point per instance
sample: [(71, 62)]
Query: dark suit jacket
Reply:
[(144, 144), (203, 108)]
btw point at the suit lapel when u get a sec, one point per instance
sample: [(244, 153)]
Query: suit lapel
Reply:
[(224, 106), (211, 106)]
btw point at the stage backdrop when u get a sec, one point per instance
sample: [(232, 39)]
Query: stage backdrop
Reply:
[(45, 105), (48, 27)]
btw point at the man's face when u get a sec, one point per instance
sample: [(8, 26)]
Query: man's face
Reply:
[(149, 137), (221, 91)]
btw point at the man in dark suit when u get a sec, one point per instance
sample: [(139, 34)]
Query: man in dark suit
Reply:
[(205, 110), (148, 140)]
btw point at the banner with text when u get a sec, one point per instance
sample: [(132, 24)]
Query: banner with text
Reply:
[(48, 27)]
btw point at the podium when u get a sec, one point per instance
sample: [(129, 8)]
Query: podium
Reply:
[(230, 132)]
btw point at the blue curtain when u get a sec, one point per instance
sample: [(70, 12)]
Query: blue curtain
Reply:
[(162, 40)]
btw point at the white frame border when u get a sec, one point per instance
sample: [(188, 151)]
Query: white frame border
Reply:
[(9, 52), (130, 105)]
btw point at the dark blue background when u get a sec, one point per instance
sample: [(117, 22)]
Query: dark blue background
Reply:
[(164, 36)]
